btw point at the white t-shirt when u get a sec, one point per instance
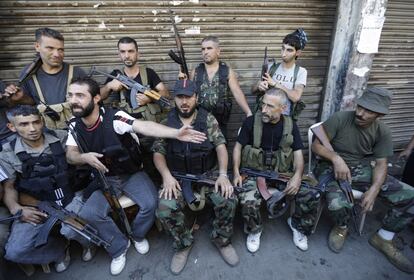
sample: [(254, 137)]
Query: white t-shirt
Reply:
[(122, 126), (285, 76)]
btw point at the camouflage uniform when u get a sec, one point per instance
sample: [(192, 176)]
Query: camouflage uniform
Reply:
[(398, 195), (306, 207), (170, 212)]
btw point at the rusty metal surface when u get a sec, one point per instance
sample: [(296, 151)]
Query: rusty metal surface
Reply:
[(393, 68)]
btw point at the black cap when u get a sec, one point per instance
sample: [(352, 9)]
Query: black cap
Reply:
[(184, 87)]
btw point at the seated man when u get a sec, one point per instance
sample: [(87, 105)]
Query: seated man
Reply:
[(357, 137), (36, 165), (173, 155), (270, 133), (108, 140)]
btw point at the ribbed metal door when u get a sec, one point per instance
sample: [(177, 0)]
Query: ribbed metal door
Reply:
[(393, 68), (92, 28)]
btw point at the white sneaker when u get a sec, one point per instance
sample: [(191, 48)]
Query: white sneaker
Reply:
[(253, 241), (300, 240), (88, 253), (118, 263), (63, 265), (142, 247)]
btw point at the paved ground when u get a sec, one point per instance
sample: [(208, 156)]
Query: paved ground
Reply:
[(277, 258)]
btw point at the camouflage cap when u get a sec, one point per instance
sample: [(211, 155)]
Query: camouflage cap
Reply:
[(184, 87), (376, 99)]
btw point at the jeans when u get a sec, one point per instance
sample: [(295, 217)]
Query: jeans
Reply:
[(140, 189)]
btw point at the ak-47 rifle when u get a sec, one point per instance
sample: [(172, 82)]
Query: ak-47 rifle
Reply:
[(11, 218), (344, 185), (186, 180), (265, 64), (107, 189), (135, 88), (57, 213), (180, 58)]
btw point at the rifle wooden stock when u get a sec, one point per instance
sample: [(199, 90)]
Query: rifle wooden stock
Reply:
[(180, 59), (320, 133)]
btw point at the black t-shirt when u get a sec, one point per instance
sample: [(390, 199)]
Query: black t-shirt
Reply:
[(4, 130), (53, 86), (152, 77), (271, 135)]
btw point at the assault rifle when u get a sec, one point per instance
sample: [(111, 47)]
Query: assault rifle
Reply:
[(180, 58), (186, 180), (107, 189), (344, 185), (11, 218), (265, 64), (57, 213), (135, 88)]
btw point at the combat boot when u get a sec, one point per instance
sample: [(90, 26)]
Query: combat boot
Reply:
[(229, 254), (337, 238), (179, 260), (394, 255)]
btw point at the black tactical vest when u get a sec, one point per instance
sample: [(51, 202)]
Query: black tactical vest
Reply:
[(190, 157), (45, 177), (121, 152)]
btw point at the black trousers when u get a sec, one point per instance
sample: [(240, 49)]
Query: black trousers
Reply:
[(408, 174)]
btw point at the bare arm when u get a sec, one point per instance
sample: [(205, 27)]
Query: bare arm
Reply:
[(294, 183), (170, 186), (222, 181), (378, 178), (341, 169), (237, 180), (407, 151), (294, 95), (153, 129), (238, 93), (75, 157), (11, 199)]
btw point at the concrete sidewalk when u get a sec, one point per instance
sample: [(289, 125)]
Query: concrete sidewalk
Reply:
[(277, 258)]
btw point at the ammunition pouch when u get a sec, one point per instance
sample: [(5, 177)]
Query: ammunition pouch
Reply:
[(56, 115), (222, 111)]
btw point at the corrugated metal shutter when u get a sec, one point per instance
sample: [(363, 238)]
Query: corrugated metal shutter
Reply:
[(92, 28), (393, 68)]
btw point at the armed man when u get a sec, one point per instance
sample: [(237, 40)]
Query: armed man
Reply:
[(350, 161), (36, 166), (48, 85), (109, 145), (287, 75), (270, 142), (172, 156), (214, 81)]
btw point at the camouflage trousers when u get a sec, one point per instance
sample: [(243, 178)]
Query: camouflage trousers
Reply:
[(398, 195), (171, 215), (304, 217)]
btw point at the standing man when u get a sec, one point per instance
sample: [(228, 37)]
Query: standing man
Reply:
[(6, 135), (196, 159), (129, 55), (36, 165), (214, 81), (108, 138), (48, 86), (271, 141), (287, 75), (370, 140), (121, 97)]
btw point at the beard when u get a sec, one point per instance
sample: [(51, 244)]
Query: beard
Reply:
[(188, 114), (84, 111)]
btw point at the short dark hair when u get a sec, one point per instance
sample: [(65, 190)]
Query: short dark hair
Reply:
[(127, 40), (93, 86), (21, 110), (212, 39), (292, 40), (48, 32)]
